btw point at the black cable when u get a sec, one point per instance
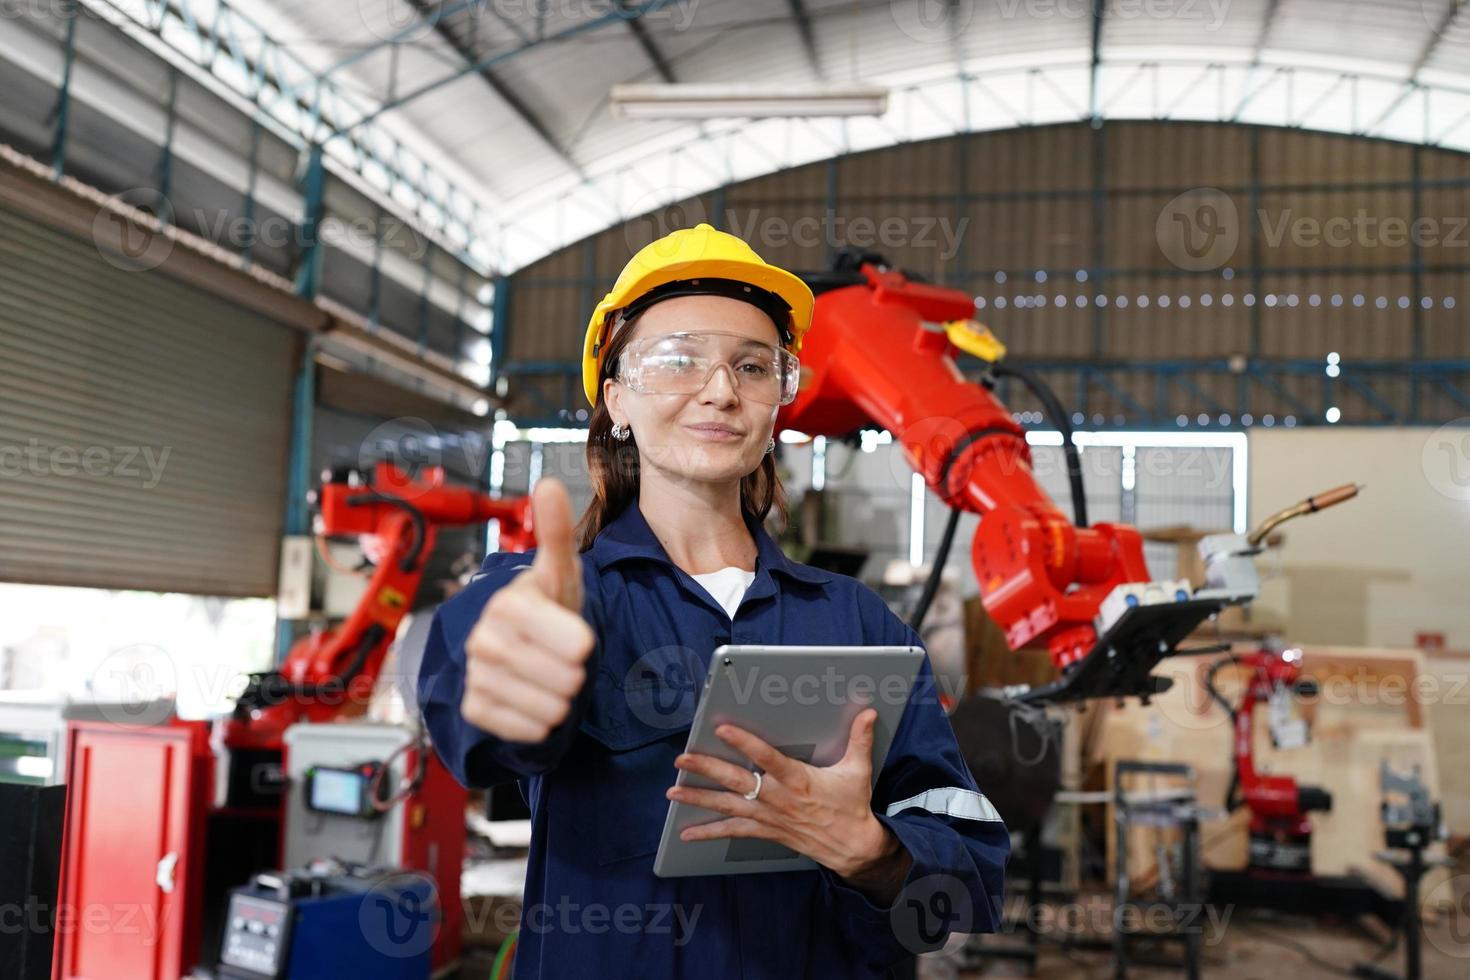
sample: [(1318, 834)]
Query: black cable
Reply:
[(272, 688), (1388, 947), (370, 639), (1299, 948), (1213, 691), (265, 690), (1059, 418), (374, 634), (409, 784), (415, 516), (931, 585), (1230, 793)]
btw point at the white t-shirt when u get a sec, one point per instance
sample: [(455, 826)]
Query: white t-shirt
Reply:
[(727, 586)]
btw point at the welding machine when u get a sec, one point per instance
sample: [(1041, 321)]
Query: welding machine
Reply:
[(329, 922)]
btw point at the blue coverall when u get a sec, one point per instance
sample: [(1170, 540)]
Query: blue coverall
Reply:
[(593, 907)]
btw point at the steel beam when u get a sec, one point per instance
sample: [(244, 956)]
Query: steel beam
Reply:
[(597, 23), (405, 32), (650, 47), (1452, 377), (1093, 97), (803, 20), (499, 86), (63, 94)]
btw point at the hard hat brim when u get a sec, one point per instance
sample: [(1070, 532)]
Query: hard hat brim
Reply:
[(784, 284)]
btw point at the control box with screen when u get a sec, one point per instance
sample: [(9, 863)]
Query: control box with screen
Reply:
[(345, 792)]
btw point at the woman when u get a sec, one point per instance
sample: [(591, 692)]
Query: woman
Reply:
[(573, 669)]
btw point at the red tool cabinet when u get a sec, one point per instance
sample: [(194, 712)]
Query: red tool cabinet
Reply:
[(132, 874)]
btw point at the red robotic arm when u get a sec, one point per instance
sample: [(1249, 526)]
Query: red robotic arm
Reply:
[(879, 353), (1280, 830), (396, 515)]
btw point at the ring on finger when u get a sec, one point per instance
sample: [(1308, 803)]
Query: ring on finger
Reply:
[(757, 790)]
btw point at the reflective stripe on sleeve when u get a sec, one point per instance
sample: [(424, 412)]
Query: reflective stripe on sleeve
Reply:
[(952, 801)]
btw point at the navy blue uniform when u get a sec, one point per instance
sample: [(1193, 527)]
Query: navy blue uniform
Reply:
[(593, 907)]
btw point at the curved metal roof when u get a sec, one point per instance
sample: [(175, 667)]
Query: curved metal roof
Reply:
[(508, 99)]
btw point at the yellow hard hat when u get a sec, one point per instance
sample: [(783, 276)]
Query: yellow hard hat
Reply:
[(692, 261)]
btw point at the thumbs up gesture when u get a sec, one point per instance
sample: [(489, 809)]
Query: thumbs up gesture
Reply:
[(525, 658)]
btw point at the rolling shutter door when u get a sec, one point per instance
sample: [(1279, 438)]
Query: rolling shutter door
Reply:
[(144, 425)]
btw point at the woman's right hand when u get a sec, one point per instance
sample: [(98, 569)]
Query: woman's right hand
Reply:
[(525, 658)]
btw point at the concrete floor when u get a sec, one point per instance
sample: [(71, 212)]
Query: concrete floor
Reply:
[(1251, 946), (1247, 944)]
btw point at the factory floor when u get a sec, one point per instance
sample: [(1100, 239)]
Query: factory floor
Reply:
[(1254, 946)]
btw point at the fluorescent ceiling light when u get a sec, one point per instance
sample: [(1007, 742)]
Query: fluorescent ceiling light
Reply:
[(679, 101)]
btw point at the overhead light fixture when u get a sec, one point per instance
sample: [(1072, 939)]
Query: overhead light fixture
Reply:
[(693, 101)]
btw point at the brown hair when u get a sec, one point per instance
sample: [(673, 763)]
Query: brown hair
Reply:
[(613, 464)]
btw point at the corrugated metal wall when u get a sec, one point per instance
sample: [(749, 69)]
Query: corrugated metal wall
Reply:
[(527, 461), (1040, 223), (144, 425)]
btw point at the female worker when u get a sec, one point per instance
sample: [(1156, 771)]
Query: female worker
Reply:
[(557, 668)]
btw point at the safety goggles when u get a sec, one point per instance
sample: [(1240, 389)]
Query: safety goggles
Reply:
[(682, 364)]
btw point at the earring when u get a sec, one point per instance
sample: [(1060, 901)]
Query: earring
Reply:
[(620, 432), (771, 444)]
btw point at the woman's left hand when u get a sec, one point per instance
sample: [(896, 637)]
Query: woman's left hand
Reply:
[(823, 812)]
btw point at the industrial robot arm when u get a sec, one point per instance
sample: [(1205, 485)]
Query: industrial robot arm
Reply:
[(881, 352), (1274, 677), (1277, 802), (396, 515)]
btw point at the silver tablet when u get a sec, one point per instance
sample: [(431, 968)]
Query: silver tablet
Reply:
[(800, 699)]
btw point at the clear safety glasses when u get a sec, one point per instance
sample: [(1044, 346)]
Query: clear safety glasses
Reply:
[(682, 364)]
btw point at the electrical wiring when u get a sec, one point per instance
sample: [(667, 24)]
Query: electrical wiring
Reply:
[(1298, 948)]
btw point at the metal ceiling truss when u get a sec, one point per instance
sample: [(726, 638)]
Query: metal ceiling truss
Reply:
[(310, 109), (466, 51), (617, 15), (650, 47), (803, 21), (302, 109), (1371, 382), (1103, 394)]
